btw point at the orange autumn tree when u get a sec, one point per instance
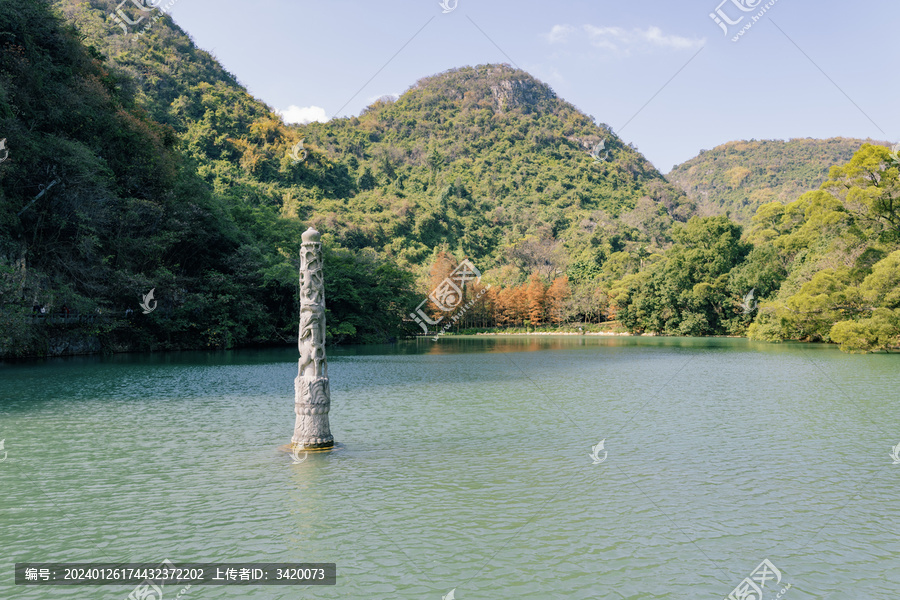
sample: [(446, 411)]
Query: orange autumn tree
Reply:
[(556, 298), (512, 305), (444, 263), (509, 305), (535, 295), (520, 298), (534, 301), (494, 303), (458, 296)]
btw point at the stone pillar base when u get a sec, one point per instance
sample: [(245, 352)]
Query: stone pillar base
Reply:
[(312, 403), (314, 447)]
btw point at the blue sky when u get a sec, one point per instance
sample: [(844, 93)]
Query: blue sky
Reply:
[(663, 75)]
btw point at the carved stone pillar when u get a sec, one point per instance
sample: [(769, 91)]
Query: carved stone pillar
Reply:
[(312, 398)]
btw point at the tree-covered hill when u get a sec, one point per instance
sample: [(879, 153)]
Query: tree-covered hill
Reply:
[(738, 177), (825, 267), (99, 205), (159, 171), (132, 161), (485, 162), (475, 160)]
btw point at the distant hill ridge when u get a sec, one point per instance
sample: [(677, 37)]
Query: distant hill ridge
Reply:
[(737, 177)]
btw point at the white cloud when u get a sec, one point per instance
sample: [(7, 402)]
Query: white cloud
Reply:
[(654, 35), (616, 38), (623, 41), (559, 33), (303, 114)]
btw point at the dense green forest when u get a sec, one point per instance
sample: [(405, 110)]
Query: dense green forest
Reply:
[(136, 162), (99, 204), (736, 178), (824, 265), (476, 161), (204, 203)]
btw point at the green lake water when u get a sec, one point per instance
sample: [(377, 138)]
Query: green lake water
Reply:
[(465, 464)]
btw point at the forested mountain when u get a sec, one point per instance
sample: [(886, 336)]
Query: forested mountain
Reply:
[(99, 205), (473, 161), (738, 177), (167, 175), (479, 159), (132, 161)]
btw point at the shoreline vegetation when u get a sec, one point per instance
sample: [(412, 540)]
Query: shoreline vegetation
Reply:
[(132, 177), (65, 347)]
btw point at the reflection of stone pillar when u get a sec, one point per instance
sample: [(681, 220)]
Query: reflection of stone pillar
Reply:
[(312, 398)]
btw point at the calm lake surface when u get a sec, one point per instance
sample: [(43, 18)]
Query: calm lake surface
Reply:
[(465, 464)]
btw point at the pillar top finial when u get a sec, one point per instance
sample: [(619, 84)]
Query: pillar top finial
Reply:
[(310, 235)]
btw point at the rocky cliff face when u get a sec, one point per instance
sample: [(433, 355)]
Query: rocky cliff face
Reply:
[(512, 93)]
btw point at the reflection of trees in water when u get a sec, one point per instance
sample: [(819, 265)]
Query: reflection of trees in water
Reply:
[(536, 342)]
